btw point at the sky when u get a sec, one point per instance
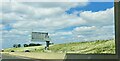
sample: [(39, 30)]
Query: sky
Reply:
[(64, 21)]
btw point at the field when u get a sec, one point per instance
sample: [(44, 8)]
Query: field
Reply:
[(92, 47)]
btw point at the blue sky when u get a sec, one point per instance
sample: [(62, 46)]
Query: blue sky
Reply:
[(92, 6), (65, 22)]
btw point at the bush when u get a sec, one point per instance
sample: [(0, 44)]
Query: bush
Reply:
[(19, 45), (33, 44), (38, 44), (27, 51), (16, 45), (12, 51), (26, 45)]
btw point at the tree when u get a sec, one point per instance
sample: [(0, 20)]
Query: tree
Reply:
[(26, 45), (19, 45), (32, 44), (15, 45), (38, 44)]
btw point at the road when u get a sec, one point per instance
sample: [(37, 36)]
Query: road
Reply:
[(7, 57)]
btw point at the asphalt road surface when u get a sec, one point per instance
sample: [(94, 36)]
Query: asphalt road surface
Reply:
[(7, 57)]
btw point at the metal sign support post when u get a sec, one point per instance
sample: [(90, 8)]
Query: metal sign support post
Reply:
[(47, 45)]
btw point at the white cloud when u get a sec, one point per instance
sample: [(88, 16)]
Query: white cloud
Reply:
[(56, 1), (64, 5), (30, 8), (52, 18), (85, 28), (15, 33), (100, 17), (79, 36), (45, 15), (55, 23), (49, 0), (48, 11), (61, 33), (1, 26), (0, 14)]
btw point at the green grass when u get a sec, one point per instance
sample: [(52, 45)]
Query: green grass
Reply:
[(96, 47), (22, 49), (92, 47)]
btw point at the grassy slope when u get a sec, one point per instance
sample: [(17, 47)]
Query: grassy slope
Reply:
[(86, 47), (106, 46)]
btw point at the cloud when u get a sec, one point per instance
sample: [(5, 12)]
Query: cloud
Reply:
[(64, 5), (15, 33), (48, 1), (52, 18), (50, 23), (1, 26), (85, 28), (44, 9), (95, 33), (59, 0), (30, 15), (99, 18), (60, 34)]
